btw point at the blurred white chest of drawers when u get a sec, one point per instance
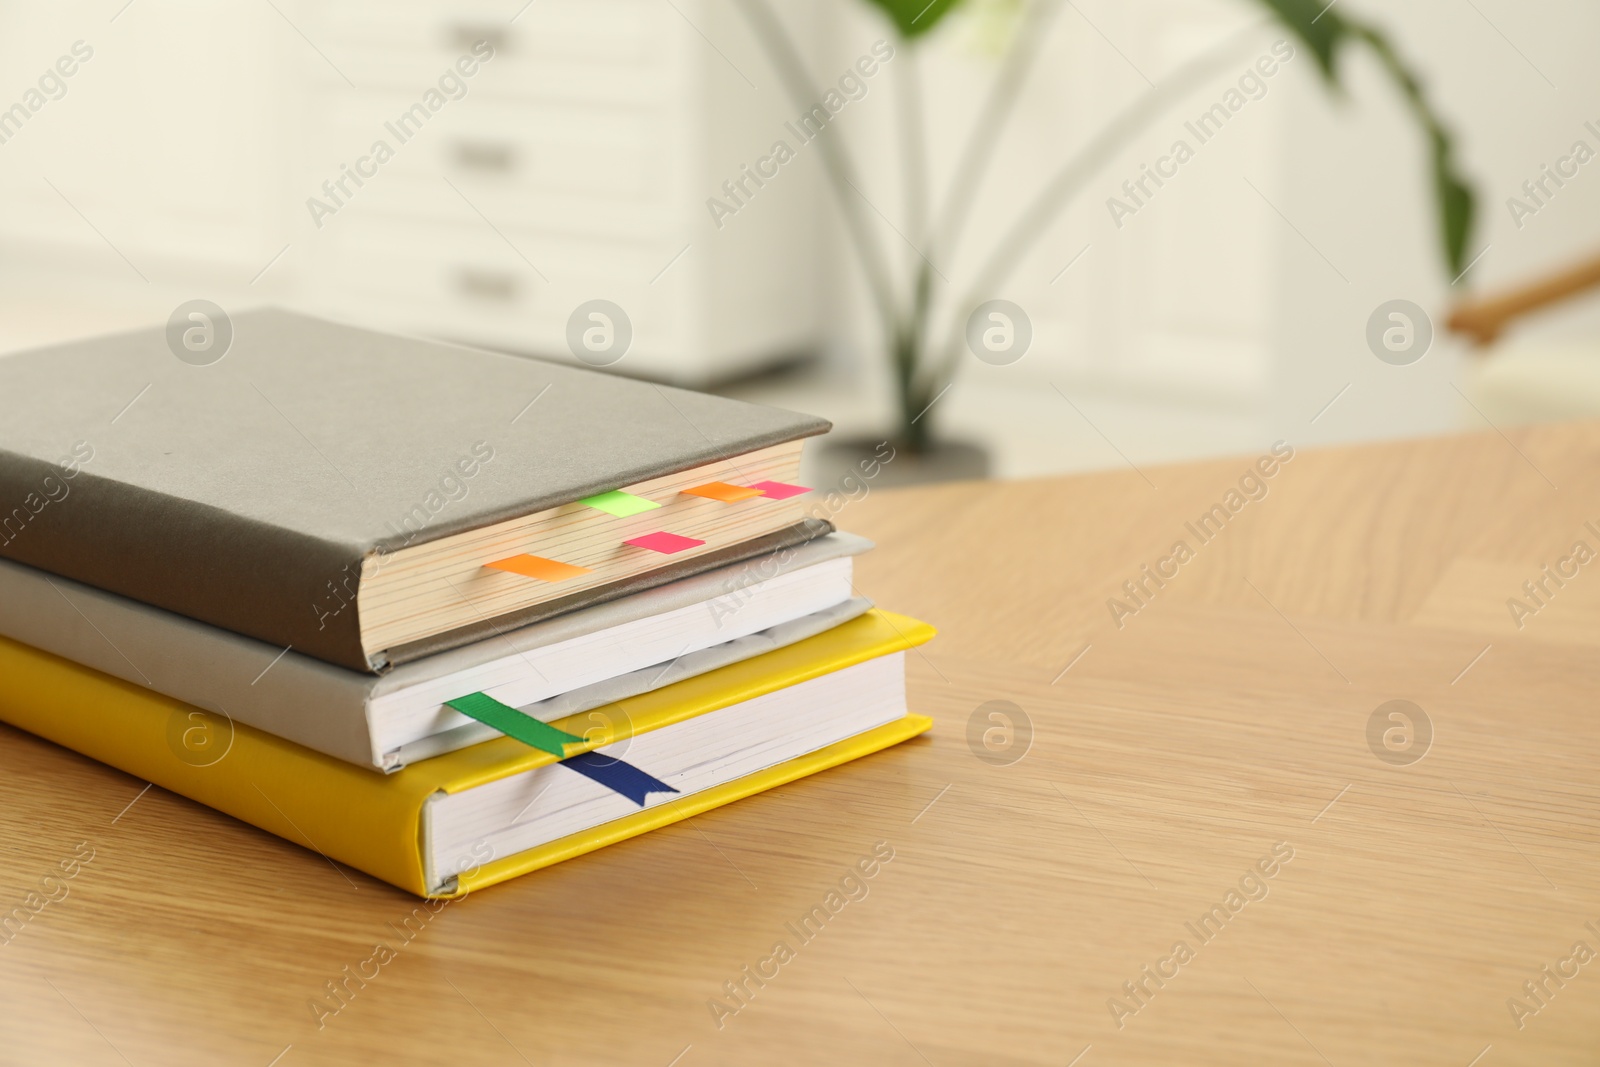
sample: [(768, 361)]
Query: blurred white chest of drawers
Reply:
[(475, 171)]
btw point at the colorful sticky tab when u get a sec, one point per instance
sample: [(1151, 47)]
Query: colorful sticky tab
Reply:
[(728, 494), (619, 503), (664, 542), (546, 570), (617, 776), (779, 490), (513, 723)]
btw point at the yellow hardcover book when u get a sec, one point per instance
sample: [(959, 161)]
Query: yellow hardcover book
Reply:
[(438, 828)]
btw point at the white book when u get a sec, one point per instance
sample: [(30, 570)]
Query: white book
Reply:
[(526, 810), (549, 670)]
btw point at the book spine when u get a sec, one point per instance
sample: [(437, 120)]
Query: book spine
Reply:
[(253, 578), (294, 696), (349, 814)]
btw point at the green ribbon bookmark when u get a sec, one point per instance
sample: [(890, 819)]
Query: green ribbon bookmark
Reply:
[(513, 723), (614, 774)]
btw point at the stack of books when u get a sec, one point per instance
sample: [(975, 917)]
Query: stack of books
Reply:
[(443, 615)]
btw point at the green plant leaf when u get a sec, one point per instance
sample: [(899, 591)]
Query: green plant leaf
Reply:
[(1318, 27), (1457, 207), (913, 18), (1324, 30)]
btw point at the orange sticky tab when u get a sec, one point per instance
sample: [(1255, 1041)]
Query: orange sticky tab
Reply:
[(546, 570), (728, 494)]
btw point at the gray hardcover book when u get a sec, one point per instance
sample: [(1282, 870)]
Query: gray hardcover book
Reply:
[(343, 492), (588, 659)]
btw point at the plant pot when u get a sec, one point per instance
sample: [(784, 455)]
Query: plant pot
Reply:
[(869, 459)]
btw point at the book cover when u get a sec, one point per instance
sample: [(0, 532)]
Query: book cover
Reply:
[(372, 822), (327, 708), (251, 493)]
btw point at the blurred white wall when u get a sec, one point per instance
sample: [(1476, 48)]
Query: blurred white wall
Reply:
[(1234, 307), (1518, 84), (1229, 310)]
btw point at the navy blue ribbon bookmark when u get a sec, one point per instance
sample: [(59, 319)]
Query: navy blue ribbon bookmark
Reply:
[(618, 776)]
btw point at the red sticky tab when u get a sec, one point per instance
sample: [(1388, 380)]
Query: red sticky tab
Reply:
[(779, 490), (664, 542)]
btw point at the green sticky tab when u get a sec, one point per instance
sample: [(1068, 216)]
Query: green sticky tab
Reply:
[(619, 503), (513, 723)]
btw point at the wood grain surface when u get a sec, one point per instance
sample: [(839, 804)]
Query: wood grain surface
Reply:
[(1147, 771)]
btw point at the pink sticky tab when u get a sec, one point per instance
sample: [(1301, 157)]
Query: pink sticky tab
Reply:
[(664, 542), (779, 490)]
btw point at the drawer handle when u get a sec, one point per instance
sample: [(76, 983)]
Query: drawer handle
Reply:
[(464, 35), (484, 156), (487, 285)]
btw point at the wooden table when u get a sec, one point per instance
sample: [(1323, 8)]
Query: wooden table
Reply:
[(1031, 877)]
